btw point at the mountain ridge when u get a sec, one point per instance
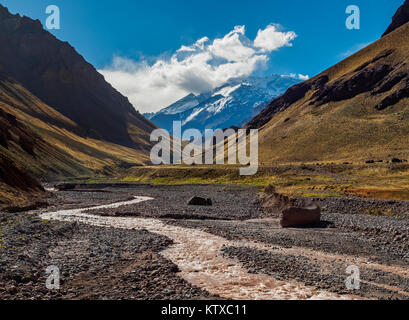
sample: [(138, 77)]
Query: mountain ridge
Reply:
[(400, 18), (89, 129), (231, 104), (54, 72), (354, 111)]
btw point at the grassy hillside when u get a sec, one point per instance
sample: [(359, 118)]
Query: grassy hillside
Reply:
[(355, 111), (55, 151)]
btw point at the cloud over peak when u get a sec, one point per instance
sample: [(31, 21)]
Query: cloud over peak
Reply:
[(196, 68), (271, 39)]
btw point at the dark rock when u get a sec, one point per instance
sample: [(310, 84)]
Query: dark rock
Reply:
[(198, 201), (272, 203), (65, 186), (400, 18), (3, 136), (389, 82), (350, 86), (297, 217), (394, 98), (380, 56)]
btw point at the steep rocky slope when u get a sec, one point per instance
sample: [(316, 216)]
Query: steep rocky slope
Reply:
[(356, 110), (59, 118), (33, 143), (54, 72), (399, 19)]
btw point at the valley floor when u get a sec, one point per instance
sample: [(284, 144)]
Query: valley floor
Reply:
[(164, 249)]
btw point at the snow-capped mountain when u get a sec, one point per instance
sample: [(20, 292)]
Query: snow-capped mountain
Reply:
[(232, 104)]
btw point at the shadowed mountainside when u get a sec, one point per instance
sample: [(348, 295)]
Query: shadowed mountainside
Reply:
[(16, 184), (54, 72), (34, 143), (399, 19), (35, 139), (356, 110), (59, 117)]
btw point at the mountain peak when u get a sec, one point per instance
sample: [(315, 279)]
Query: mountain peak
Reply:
[(58, 75), (3, 11), (400, 18), (232, 104)]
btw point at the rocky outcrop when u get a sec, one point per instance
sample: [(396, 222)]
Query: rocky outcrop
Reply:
[(400, 18), (394, 97), (352, 85), (54, 72)]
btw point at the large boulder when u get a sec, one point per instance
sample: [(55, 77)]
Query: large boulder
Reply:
[(198, 201), (298, 217), (273, 203)]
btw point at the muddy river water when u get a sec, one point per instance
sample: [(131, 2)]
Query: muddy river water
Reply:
[(198, 255)]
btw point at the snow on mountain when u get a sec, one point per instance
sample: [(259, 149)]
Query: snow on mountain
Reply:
[(232, 104)]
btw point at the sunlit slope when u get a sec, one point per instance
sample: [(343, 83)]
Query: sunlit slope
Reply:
[(356, 110), (56, 150)]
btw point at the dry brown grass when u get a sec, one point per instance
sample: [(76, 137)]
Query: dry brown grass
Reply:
[(387, 181), (61, 152), (350, 130)]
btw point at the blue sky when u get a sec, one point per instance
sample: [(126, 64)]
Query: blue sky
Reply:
[(149, 30)]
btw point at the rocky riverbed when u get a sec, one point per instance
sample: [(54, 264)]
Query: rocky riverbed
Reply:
[(147, 262)]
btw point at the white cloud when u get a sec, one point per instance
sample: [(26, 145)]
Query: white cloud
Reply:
[(271, 39), (303, 77), (194, 69), (299, 76)]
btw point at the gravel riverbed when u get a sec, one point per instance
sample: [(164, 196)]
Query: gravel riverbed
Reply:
[(108, 263)]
